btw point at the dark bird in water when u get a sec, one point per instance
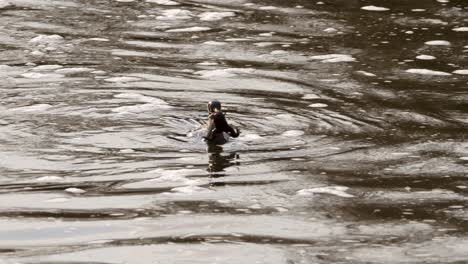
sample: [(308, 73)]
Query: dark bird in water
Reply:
[(218, 130)]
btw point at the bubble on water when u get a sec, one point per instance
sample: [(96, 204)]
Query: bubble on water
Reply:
[(75, 190), (428, 72), (175, 14), (163, 2), (333, 190), (213, 16), (418, 10), (318, 105), (464, 158), (425, 57), (369, 74), (333, 58), (189, 29), (437, 43), (374, 8)]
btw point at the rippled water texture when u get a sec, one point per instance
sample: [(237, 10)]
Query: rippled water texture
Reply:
[(353, 117)]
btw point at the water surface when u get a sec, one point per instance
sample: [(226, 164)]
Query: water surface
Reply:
[(353, 118)]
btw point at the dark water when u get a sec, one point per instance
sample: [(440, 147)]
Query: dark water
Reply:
[(354, 116)]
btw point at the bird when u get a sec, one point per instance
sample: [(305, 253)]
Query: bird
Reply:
[(218, 130)]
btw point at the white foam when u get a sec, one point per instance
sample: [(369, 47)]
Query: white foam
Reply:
[(32, 108), (151, 103), (266, 34), (4, 3), (428, 72), (237, 39), (47, 67), (163, 2), (99, 39), (374, 8), (310, 96), (75, 190), (333, 58), (461, 72), (36, 75), (250, 137), (268, 7), (175, 14), (215, 43), (318, 105), (125, 1), (122, 79), (278, 52), (207, 63), (37, 53), (425, 57), (190, 190), (57, 200), (74, 70), (293, 133), (189, 29), (330, 30), (213, 16), (369, 74), (333, 190), (437, 43), (47, 39), (223, 73), (49, 178), (461, 29), (264, 44)]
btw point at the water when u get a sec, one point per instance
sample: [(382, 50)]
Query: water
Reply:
[(353, 118)]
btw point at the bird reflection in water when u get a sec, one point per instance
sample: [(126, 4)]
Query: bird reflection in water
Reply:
[(219, 161)]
